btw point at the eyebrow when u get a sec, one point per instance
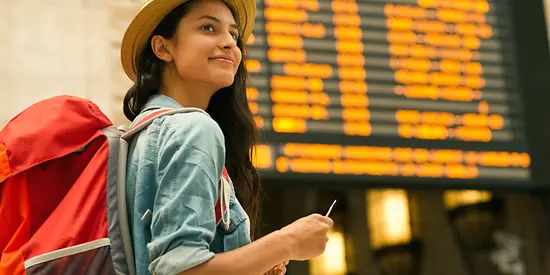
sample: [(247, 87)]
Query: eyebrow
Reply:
[(217, 20)]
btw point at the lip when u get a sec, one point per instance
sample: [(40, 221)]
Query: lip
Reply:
[(224, 58)]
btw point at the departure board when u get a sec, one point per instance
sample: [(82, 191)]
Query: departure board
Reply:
[(396, 88)]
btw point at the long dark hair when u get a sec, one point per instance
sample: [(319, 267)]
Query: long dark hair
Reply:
[(228, 107)]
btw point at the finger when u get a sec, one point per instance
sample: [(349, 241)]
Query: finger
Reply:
[(327, 220), (285, 262), (323, 219), (317, 216)]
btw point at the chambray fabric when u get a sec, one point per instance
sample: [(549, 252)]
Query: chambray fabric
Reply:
[(174, 168)]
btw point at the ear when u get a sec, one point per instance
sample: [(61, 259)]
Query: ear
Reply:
[(162, 48)]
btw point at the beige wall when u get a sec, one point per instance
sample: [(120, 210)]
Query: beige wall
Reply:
[(57, 47)]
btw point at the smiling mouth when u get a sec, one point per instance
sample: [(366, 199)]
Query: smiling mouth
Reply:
[(224, 60)]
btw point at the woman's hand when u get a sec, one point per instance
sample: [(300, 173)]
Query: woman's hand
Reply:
[(280, 269), (307, 236)]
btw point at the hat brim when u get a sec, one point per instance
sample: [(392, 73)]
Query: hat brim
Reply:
[(153, 12)]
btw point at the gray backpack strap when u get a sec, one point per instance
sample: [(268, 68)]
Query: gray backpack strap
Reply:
[(126, 135), (145, 121)]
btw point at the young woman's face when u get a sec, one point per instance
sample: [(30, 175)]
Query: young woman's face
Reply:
[(206, 44)]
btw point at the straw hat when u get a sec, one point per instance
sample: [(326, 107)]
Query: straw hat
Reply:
[(152, 12)]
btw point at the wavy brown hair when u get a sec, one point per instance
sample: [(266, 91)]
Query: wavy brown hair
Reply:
[(228, 107)]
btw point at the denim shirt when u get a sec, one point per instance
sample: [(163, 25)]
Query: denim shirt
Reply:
[(174, 169)]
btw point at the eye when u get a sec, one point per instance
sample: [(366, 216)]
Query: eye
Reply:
[(235, 35), (208, 28)]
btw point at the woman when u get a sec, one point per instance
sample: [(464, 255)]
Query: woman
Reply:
[(190, 54)]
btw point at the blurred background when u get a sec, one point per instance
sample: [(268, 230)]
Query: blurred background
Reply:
[(426, 119)]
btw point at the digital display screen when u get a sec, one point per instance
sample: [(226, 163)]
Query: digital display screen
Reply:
[(398, 88)]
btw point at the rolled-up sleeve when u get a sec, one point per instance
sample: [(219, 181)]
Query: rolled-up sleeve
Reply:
[(190, 161)]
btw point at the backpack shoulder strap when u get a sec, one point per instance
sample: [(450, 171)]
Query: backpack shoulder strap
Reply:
[(148, 119)]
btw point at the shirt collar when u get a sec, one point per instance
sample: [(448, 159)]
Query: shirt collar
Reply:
[(161, 101)]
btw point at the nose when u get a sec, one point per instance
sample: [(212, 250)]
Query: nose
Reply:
[(227, 42)]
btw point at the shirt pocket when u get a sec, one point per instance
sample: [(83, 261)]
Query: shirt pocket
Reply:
[(238, 233)]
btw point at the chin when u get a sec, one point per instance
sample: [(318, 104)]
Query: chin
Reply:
[(223, 81)]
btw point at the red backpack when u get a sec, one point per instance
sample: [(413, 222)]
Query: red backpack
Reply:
[(62, 190)]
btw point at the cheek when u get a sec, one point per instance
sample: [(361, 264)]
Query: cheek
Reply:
[(190, 60), (239, 59)]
